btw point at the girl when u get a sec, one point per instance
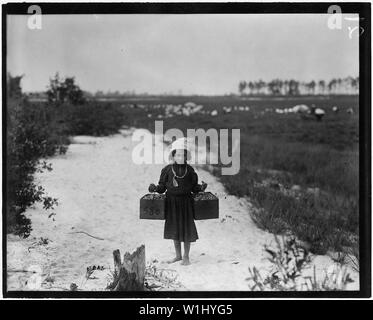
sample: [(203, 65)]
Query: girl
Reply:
[(180, 180)]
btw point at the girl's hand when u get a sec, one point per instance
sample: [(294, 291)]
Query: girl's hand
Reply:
[(152, 187), (203, 186)]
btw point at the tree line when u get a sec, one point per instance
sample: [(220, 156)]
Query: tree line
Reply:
[(348, 85)]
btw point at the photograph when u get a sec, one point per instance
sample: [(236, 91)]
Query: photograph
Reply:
[(186, 150)]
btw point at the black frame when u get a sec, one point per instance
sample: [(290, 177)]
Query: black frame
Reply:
[(363, 9)]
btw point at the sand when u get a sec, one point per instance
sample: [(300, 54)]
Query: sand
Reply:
[(98, 189)]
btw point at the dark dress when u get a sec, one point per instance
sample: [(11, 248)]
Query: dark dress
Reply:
[(179, 208)]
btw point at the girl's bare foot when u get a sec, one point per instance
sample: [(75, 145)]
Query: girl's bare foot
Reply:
[(174, 260), (185, 261)]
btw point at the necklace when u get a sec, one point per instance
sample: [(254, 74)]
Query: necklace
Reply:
[(174, 182)]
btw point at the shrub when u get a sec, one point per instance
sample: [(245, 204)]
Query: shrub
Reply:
[(64, 90), (30, 137), (289, 260), (96, 119)]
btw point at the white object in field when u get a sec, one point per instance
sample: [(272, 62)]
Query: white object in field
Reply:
[(319, 111), (186, 112), (335, 109), (301, 108), (214, 112), (190, 104), (350, 111), (198, 108), (227, 109)]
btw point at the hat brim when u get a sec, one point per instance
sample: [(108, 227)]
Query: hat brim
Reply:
[(189, 154)]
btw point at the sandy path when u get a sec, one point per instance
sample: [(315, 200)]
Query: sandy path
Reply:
[(99, 187)]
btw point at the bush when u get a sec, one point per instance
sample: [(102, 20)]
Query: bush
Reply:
[(64, 90), (289, 260), (96, 119), (30, 136)]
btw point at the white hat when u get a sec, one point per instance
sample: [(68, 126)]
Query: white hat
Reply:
[(181, 143)]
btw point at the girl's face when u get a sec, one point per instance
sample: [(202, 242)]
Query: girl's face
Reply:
[(179, 156)]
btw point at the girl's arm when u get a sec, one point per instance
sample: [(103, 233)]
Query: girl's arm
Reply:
[(161, 187), (195, 186)]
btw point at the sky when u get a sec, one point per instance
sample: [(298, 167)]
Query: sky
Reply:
[(194, 53)]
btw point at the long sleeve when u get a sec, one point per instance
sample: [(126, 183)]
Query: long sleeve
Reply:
[(195, 186), (161, 187)]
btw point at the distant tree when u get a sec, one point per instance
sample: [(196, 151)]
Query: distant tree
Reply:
[(339, 85), (275, 87), (255, 87), (64, 90), (242, 86), (332, 86), (272, 87), (14, 89), (260, 86), (293, 87), (286, 87), (312, 86), (348, 85), (280, 85), (251, 86), (321, 86), (355, 84)]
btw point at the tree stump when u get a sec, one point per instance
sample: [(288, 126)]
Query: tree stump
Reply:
[(129, 274)]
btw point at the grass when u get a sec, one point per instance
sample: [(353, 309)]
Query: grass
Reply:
[(289, 261)]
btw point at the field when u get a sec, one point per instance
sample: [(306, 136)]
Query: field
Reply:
[(301, 174)]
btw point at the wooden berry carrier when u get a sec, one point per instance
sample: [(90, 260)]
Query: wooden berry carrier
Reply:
[(152, 206), (206, 206)]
